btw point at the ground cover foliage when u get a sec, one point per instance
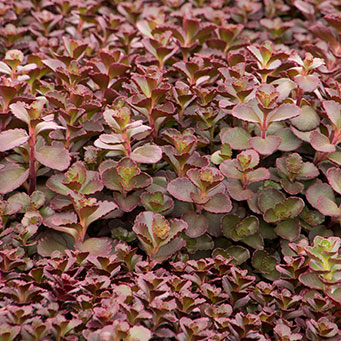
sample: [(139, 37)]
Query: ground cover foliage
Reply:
[(170, 170)]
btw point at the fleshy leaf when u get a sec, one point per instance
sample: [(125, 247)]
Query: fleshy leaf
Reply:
[(20, 112), (54, 241), (288, 229), (219, 203), (147, 154), (311, 280), (96, 246), (334, 178), (321, 142), (319, 189), (12, 138), (266, 146), (139, 333), (181, 189), (328, 207), (55, 157), (12, 177), (197, 224), (284, 112), (237, 138), (333, 111), (246, 113)]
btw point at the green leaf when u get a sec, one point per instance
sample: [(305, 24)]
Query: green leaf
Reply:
[(11, 177), (239, 254), (55, 157), (288, 229), (311, 280), (12, 138)]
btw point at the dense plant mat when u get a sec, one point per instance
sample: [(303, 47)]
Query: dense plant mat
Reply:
[(170, 170)]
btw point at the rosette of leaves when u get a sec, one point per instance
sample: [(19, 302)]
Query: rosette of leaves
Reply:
[(107, 72), (325, 267), (240, 173), (181, 155), (159, 237), (32, 148), (73, 187), (149, 91), (126, 180), (190, 35), (245, 230), (282, 211), (293, 170), (265, 263), (263, 112), (269, 61), (204, 188), (156, 198), (124, 133)]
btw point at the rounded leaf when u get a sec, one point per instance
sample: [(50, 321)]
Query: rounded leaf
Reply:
[(55, 157), (266, 146), (12, 177), (147, 154), (12, 138)]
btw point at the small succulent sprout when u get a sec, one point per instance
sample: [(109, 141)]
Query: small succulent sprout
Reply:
[(263, 117), (204, 188), (157, 202), (303, 74), (324, 266), (122, 178), (293, 170), (322, 328), (265, 264), (158, 236), (245, 230), (240, 173)]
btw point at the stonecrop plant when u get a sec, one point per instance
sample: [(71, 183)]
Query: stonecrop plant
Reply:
[(170, 170)]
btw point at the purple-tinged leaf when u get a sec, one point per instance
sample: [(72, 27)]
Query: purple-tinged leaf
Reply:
[(266, 146), (219, 203), (258, 174), (311, 280), (55, 184), (308, 83), (334, 178), (96, 246), (319, 189), (328, 207), (12, 138), (307, 120), (197, 224), (321, 142), (237, 138), (335, 294), (246, 113), (181, 189), (55, 157), (239, 254), (237, 192), (54, 241), (147, 154), (104, 208), (4, 68), (289, 141), (230, 170), (127, 203), (288, 229), (166, 251), (12, 177), (139, 333), (333, 111), (269, 198), (284, 112), (19, 111), (335, 158)]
